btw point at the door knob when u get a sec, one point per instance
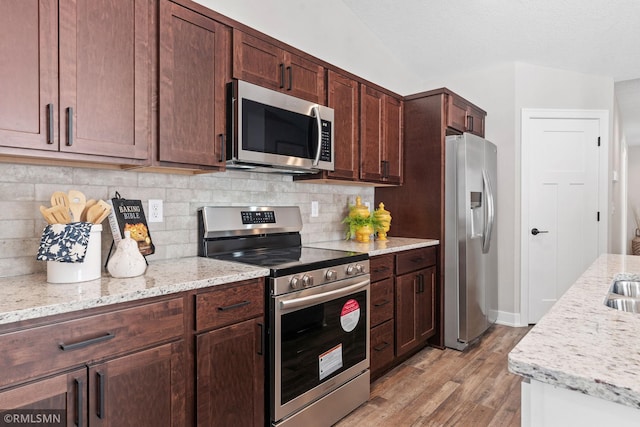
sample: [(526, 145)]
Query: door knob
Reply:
[(535, 231)]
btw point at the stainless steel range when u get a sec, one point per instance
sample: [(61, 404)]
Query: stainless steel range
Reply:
[(318, 311)]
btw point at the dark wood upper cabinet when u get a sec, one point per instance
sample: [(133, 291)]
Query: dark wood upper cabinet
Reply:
[(344, 98), (77, 78), (257, 61), (29, 74), (194, 69), (105, 77), (463, 116), (380, 137)]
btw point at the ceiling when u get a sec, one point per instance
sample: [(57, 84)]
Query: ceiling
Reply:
[(598, 37)]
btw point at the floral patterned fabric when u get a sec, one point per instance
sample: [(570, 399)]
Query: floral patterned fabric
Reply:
[(64, 242)]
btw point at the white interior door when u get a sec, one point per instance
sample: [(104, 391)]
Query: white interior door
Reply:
[(562, 223)]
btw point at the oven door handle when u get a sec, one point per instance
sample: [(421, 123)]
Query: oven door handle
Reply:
[(323, 297)]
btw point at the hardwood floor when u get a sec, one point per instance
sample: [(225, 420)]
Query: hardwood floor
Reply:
[(448, 388)]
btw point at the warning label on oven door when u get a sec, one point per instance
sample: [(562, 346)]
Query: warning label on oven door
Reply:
[(330, 361), (350, 315)]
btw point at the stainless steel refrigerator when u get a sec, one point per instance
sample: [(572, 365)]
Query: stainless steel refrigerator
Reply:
[(470, 264)]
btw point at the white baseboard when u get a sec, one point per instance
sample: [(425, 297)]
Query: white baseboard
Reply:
[(509, 319)]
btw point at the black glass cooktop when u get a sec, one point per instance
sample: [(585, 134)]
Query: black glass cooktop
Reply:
[(292, 260)]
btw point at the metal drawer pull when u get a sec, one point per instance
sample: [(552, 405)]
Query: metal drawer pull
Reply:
[(380, 304), (69, 126), (381, 269), (231, 307), (382, 346), (86, 343), (417, 259)]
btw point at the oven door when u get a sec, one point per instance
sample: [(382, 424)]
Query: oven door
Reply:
[(320, 341)]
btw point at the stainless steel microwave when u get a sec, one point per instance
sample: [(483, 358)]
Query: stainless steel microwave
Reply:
[(272, 132)]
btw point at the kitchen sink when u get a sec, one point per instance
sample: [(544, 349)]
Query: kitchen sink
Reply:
[(630, 305), (624, 293), (628, 288)]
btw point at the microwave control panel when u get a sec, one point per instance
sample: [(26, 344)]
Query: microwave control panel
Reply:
[(325, 150)]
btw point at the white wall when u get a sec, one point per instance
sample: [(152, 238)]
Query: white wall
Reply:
[(326, 29)]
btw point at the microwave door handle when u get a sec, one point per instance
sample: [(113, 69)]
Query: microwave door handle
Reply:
[(316, 113)]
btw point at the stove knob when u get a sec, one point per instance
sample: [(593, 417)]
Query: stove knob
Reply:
[(359, 268), (331, 275), (307, 281), (295, 282)]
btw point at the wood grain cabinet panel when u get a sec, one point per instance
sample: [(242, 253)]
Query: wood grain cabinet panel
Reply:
[(463, 116), (381, 348), (415, 321), (146, 388), (380, 137), (230, 380), (382, 301), (194, 70), (29, 74), (66, 392), (259, 62), (77, 79), (344, 98)]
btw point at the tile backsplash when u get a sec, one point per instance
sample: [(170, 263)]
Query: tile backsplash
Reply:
[(23, 188)]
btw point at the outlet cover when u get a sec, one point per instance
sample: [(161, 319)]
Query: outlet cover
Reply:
[(155, 210), (314, 209)]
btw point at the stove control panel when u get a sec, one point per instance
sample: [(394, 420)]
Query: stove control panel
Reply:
[(308, 279)]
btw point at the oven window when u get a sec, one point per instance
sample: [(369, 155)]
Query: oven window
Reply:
[(267, 129), (321, 341)]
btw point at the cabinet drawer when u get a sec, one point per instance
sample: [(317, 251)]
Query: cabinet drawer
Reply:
[(222, 307), (381, 350), (415, 259), (381, 301), (46, 349), (381, 267)]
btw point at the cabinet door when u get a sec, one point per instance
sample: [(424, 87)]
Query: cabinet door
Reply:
[(415, 321), (230, 376), (257, 61), (392, 169), (105, 77), (194, 70), (464, 117), (304, 78), (146, 388), (371, 119), (29, 74), (425, 305), (66, 392), (343, 97)]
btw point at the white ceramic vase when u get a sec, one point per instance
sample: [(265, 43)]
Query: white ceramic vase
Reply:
[(127, 261)]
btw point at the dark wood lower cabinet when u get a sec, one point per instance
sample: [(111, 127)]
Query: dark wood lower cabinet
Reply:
[(66, 392), (142, 389), (415, 321), (230, 376)]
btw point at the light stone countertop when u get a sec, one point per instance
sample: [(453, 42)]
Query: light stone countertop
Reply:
[(377, 247), (583, 345), (30, 296)]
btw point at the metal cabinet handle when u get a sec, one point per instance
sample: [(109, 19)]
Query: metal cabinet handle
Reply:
[(470, 123), (49, 123), (382, 346), (101, 409), (85, 343), (290, 78), (222, 148), (535, 231), (79, 411), (261, 327), (381, 269), (281, 76), (381, 303), (69, 126)]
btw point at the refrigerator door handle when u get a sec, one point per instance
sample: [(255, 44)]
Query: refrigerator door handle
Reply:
[(489, 213)]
